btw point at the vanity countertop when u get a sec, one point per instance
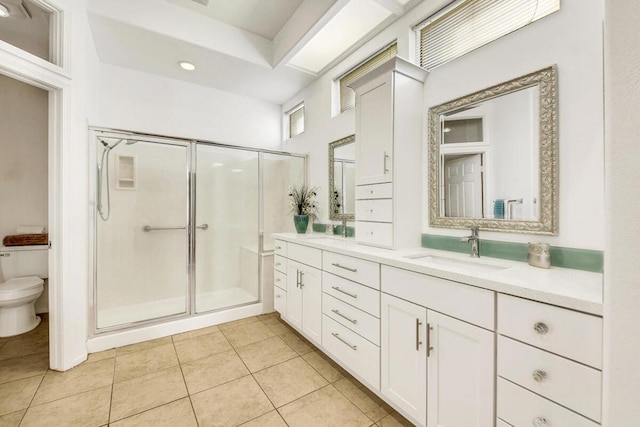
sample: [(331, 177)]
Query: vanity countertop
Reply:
[(574, 289)]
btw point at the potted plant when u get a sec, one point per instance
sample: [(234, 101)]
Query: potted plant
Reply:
[(303, 206)]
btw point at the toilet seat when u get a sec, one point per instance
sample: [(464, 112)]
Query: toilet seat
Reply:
[(20, 287)]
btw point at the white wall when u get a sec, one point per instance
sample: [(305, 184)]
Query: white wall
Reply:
[(133, 100), (622, 270), (578, 54), (23, 155)]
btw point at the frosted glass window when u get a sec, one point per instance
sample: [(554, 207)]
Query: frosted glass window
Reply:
[(470, 24), (296, 121)]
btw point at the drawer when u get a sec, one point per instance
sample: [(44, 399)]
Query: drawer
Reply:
[(356, 269), (358, 321), (375, 191), (568, 333), (280, 248), (500, 423), (280, 279), (468, 303), (520, 407), (305, 255), (280, 301), (359, 296), (570, 384), (375, 210), (352, 351), (280, 264), (374, 233)]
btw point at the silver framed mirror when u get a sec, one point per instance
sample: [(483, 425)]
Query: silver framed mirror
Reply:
[(342, 163), (493, 158)]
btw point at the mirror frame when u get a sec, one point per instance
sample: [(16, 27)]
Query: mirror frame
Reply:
[(332, 146), (547, 223)]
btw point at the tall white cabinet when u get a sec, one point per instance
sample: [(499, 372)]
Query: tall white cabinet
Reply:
[(389, 111)]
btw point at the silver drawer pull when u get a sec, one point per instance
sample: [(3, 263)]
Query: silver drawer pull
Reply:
[(540, 422), (354, 321), (353, 270), (539, 376), (541, 328), (344, 292), (418, 342), (353, 347), (7, 254)]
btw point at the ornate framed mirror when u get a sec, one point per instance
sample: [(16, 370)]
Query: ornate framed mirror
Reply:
[(342, 173), (493, 158)]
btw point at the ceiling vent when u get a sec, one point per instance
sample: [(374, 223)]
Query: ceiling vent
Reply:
[(202, 2)]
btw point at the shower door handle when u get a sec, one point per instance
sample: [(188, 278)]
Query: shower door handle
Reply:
[(203, 227)]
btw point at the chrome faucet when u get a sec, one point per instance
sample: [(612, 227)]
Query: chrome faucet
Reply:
[(474, 239)]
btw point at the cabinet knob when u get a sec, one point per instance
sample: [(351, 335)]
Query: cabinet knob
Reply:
[(278, 296), (539, 376), (371, 210), (371, 233), (278, 247), (541, 328), (277, 264), (540, 422), (371, 191), (277, 280)]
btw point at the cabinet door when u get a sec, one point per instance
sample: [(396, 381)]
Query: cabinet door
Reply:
[(294, 294), (374, 129), (404, 357), (311, 285), (461, 373)]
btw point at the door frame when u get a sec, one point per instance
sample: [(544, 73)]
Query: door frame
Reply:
[(18, 64)]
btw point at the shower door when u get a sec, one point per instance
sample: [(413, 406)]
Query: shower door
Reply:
[(142, 248), (227, 256)]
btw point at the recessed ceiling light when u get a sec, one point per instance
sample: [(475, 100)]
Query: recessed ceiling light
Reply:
[(4, 12), (186, 65), (236, 170), (217, 164)]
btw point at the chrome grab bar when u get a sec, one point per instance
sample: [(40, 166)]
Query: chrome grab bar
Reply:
[(148, 228)]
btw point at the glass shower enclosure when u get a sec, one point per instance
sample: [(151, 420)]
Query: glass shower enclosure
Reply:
[(181, 226)]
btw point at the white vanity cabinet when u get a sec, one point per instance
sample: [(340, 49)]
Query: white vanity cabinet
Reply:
[(389, 108), (549, 364), (437, 368), (403, 361), (298, 287)]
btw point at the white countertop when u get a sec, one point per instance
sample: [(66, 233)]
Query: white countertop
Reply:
[(564, 287)]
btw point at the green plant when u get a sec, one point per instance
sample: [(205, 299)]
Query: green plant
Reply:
[(302, 200)]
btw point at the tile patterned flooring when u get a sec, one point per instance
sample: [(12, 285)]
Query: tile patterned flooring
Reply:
[(251, 372)]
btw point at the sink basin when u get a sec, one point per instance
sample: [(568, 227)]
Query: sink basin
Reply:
[(458, 264)]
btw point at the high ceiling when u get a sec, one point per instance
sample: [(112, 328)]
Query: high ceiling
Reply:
[(264, 49)]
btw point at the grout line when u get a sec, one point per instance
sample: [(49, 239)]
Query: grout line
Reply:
[(113, 383), (186, 386)]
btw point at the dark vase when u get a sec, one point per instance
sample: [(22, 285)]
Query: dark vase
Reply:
[(301, 222)]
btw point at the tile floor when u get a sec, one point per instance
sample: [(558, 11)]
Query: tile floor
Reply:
[(251, 372)]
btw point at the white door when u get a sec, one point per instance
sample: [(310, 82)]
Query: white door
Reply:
[(311, 285), (374, 127), (294, 294), (404, 357), (463, 186), (461, 374)]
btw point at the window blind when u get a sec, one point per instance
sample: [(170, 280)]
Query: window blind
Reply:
[(296, 121), (347, 95), (473, 23)]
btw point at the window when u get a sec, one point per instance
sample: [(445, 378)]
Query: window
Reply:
[(295, 120), (469, 24), (347, 95)]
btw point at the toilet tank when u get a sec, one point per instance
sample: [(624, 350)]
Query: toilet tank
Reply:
[(19, 261)]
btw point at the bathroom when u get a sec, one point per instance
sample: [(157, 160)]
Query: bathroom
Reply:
[(97, 89)]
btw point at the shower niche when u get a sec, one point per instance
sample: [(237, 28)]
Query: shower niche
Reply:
[(126, 172)]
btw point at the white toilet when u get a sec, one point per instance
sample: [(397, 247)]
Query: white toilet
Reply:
[(23, 269)]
